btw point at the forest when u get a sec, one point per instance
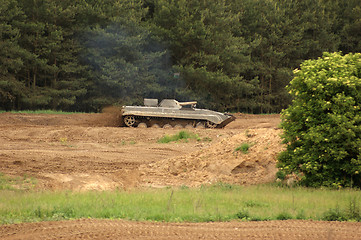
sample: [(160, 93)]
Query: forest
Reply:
[(229, 55)]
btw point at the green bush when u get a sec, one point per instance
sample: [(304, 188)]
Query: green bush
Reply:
[(281, 175), (322, 126)]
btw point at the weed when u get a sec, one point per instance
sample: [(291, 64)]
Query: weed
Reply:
[(248, 134), (353, 210), (301, 215), (334, 214), (4, 182), (207, 139), (170, 201), (165, 139), (257, 218), (38, 212), (184, 187), (243, 148), (243, 214), (16, 183), (224, 186), (182, 135), (63, 141), (68, 212), (284, 216), (254, 203)]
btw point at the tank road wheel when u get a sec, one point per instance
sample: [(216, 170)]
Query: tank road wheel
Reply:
[(200, 125), (167, 126), (210, 124), (178, 126), (129, 120), (155, 125), (189, 126), (142, 125)]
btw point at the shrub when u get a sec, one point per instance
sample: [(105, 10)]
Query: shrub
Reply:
[(281, 175), (322, 126)]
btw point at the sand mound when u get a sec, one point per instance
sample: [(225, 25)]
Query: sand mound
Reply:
[(220, 162)]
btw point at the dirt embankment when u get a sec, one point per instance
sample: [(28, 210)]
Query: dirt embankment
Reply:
[(90, 151)]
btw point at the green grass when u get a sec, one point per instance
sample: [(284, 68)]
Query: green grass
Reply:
[(180, 136), (244, 147), (16, 183), (219, 202), (41, 112)]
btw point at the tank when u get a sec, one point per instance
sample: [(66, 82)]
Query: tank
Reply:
[(171, 113)]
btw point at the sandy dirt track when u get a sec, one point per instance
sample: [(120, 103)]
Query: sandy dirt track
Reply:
[(82, 152), (119, 229)]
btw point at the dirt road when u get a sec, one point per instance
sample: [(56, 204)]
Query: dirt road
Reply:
[(83, 152), (119, 229)]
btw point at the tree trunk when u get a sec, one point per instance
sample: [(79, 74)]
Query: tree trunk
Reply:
[(55, 78), (34, 77)]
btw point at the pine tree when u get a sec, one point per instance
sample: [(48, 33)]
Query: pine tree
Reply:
[(204, 46), (126, 62), (11, 91)]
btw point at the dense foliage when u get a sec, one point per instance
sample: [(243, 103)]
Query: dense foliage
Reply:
[(322, 126), (228, 55)]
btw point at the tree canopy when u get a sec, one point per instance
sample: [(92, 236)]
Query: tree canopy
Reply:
[(322, 126), (228, 55)]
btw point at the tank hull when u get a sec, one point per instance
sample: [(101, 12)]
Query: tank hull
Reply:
[(174, 113)]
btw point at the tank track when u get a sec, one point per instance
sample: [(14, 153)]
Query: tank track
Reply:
[(163, 122)]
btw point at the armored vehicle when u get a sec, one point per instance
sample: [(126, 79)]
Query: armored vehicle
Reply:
[(171, 113)]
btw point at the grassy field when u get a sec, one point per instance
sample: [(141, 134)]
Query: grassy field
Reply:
[(219, 202)]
